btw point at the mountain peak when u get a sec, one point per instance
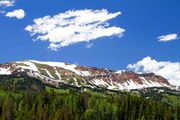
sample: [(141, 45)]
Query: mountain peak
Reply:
[(81, 76)]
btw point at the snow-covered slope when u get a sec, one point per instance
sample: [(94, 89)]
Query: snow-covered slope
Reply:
[(79, 76), (5, 71)]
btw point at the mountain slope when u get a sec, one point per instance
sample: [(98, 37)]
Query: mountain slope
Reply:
[(26, 98), (56, 73)]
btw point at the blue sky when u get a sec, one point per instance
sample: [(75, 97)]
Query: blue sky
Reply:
[(143, 20)]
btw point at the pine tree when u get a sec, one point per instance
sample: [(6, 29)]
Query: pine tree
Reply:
[(7, 109)]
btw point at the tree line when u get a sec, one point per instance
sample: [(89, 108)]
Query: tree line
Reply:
[(83, 106), (25, 98)]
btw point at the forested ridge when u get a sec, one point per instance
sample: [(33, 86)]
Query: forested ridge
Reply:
[(25, 98)]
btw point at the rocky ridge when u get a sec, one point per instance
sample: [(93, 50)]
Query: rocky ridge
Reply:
[(81, 76)]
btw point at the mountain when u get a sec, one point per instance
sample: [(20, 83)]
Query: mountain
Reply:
[(57, 91), (57, 73)]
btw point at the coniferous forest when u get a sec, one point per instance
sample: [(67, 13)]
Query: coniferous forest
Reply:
[(25, 98)]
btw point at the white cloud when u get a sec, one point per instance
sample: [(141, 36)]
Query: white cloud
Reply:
[(7, 3), (19, 14), (169, 37), (169, 70), (74, 26)]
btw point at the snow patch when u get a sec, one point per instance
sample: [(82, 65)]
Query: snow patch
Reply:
[(49, 74), (5, 71), (28, 65), (76, 82), (119, 71), (59, 64), (56, 72), (85, 73)]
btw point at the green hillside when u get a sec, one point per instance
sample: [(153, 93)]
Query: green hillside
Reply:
[(25, 98)]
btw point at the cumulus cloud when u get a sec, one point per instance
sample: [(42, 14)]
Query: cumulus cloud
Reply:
[(74, 26), (7, 3), (169, 37), (19, 14), (169, 70)]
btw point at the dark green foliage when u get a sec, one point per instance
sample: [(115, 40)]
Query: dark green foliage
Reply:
[(23, 102), (20, 83), (73, 106)]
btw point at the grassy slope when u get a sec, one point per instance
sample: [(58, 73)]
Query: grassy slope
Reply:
[(172, 100)]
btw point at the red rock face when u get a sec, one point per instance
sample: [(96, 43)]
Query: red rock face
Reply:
[(155, 78), (128, 75), (94, 70), (5, 66), (123, 77)]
